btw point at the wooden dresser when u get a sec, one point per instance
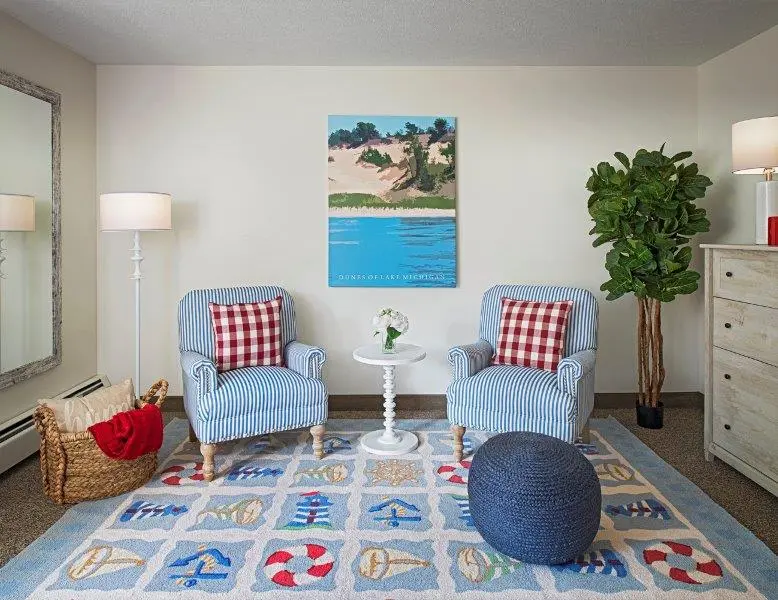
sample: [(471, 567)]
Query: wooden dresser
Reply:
[(741, 393)]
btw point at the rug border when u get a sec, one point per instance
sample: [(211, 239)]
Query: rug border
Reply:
[(21, 575), (745, 551)]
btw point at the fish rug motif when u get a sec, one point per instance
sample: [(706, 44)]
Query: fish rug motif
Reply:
[(278, 524)]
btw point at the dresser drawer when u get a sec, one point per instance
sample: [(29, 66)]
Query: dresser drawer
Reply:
[(745, 409), (746, 329), (746, 276)]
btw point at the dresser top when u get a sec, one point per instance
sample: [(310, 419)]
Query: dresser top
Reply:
[(763, 247)]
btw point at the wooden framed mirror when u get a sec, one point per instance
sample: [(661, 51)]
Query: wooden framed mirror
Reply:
[(30, 246)]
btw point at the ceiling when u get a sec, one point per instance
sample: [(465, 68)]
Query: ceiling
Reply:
[(398, 32)]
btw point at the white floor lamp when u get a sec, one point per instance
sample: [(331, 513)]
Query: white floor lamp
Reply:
[(135, 211), (17, 213)]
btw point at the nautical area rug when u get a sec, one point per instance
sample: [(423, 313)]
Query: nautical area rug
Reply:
[(278, 524)]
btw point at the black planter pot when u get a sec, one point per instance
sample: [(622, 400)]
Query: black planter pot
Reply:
[(650, 417)]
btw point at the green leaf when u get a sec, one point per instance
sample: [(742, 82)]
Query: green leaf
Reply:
[(622, 158), (680, 156), (604, 239), (392, 333), (681, 283)]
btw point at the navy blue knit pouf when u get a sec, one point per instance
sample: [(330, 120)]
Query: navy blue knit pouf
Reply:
[(534, 497)]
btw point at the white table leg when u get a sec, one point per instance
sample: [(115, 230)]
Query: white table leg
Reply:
[(389, 441), (389, 436)]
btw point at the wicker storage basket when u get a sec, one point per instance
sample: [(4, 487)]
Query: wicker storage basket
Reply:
[(75, 469)]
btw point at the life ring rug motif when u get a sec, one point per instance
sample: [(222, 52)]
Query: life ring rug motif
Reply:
[(684, 564), (299, 564), (454, 474)]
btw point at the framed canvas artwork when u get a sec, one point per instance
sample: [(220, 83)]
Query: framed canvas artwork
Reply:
[(392, 201)]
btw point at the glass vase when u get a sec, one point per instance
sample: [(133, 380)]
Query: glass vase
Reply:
[(388, 344)]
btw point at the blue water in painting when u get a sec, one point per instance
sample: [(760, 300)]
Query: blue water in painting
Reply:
[(392, 252)]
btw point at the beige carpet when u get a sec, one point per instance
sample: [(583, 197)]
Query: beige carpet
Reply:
[(25, 513)]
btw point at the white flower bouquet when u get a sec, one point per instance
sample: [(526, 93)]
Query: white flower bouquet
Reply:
[(390, 325)]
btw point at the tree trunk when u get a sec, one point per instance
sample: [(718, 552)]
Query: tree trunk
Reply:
[(651, 370)]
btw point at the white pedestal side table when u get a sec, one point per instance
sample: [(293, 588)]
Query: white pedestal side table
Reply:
[(389, 441)]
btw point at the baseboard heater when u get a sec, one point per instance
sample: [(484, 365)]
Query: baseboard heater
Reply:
[(18, 438)]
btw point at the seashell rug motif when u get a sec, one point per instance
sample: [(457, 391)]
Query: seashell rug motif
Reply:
[(277, 524)]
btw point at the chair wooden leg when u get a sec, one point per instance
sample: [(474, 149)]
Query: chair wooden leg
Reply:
[(192, 436), (459, 433), (317, 431), (208, 450)]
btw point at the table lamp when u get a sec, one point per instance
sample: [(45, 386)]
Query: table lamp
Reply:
[(135, 211), (755, 152), (17, 213)]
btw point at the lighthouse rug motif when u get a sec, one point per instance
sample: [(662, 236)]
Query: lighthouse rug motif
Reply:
[(278, 524)]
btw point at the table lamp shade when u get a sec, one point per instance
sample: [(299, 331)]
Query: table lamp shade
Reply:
[(135, 211), (17, 212), (755, 146)]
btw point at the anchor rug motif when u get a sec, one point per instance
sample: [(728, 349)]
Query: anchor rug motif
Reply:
[(278, 524)]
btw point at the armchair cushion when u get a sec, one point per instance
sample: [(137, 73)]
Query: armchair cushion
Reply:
[(261, 391), (247, 335), (510, 395), (532, 334)]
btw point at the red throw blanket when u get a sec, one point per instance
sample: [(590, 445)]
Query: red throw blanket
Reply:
[(130, 434)]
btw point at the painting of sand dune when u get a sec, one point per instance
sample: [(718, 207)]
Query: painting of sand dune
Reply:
[(392, 201)]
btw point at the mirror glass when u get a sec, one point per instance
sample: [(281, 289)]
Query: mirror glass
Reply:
[(29, 237)]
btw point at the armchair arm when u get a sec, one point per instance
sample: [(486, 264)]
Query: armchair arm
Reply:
[(304, 359), (467, 360), (573, 368), (201, 370)]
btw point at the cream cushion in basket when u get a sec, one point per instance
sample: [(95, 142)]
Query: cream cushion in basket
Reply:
[(78, 414)]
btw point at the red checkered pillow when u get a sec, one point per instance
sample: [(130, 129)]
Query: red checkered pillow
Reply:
[(532, 334), (247, 335)]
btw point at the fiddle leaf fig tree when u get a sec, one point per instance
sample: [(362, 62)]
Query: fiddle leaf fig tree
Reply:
[(646, 209)]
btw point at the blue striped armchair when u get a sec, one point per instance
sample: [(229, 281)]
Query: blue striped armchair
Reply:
[(511, 398), (252, 400)]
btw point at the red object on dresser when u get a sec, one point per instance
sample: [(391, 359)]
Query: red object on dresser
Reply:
[(130, 434), (247, 335), (772, 231), (532, 334)]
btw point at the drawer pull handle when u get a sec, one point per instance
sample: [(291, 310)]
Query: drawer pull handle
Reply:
[(727, 376), (728, 273), (728, 325), (727, 427)]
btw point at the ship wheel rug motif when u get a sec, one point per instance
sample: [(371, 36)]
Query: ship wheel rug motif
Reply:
[(278, 524)]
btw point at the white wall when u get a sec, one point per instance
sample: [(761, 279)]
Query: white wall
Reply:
[(27, 53), (737, 85), (243, 152)]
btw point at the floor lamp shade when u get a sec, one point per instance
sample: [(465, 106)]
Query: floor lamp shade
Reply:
[(755, 152), (135, 211), (17, 212)]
